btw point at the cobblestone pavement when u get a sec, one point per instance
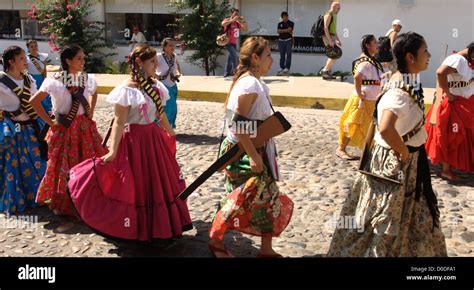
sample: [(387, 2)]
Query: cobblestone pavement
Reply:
[(314, 178)]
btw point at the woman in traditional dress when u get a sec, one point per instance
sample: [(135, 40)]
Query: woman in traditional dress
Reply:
[(254, 204), (22, 166), (357, 114), (147, 194), (37, 68), (451, 135), (168, 72), (73, 136), (393, 209)]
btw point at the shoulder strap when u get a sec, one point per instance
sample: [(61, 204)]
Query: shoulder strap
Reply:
[(332, 17), (77, 94), (416, 95), (151, 91), (362, 59), (35, 60), (22, 94), (4, 79)]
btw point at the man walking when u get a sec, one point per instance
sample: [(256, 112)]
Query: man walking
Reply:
[(331, 40)]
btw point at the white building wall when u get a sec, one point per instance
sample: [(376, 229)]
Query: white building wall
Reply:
[(443, 23)]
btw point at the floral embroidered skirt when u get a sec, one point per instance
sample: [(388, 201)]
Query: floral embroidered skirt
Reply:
[(21, 165), (254, 205), (67, 147), (392, 221)]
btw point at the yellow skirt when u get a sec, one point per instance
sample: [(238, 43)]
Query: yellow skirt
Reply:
[(355, 121)]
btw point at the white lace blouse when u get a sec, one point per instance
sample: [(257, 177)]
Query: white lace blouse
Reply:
[(142, 107)]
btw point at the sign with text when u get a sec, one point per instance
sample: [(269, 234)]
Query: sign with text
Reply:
[(305, 45)]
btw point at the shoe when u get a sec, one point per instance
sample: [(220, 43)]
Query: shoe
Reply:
[(279, 72), (327, 75), (285, 71), (228, 78)]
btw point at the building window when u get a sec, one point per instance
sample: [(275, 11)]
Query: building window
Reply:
[(10, 24), (155, 27), (15, 24)]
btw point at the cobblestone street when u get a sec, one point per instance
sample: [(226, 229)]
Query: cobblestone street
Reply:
[(314, 178)]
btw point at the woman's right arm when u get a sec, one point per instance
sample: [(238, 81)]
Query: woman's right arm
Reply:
[(390, 134), (35, 102), (121, 117), (442, 76), (358, 85)]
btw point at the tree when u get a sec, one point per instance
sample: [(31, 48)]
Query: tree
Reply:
[(64, 21), (199, 29)]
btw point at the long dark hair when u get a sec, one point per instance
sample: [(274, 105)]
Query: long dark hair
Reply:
[(69, 52), (9, 54), (470, 50), (254, 44), (366, 39), (409, 42)]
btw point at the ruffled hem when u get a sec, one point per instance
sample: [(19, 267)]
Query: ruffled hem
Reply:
[(355, 121), (135, 196), (451, 140), (22, 169)]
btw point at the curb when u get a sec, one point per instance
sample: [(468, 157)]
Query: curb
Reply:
[(327, 103)]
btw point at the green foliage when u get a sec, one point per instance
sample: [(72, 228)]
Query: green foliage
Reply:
[(199, 29), (115, 67), (64, 21)]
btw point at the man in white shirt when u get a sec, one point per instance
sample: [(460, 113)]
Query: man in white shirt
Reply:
[(137, 38), (393, 34)]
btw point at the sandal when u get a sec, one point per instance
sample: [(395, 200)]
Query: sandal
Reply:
[(215, 250), (346, 157)]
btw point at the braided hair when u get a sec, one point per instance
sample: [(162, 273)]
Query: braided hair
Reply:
[(69, 52), (366, 40), (9, 54), (143, 52), (409, 42)]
